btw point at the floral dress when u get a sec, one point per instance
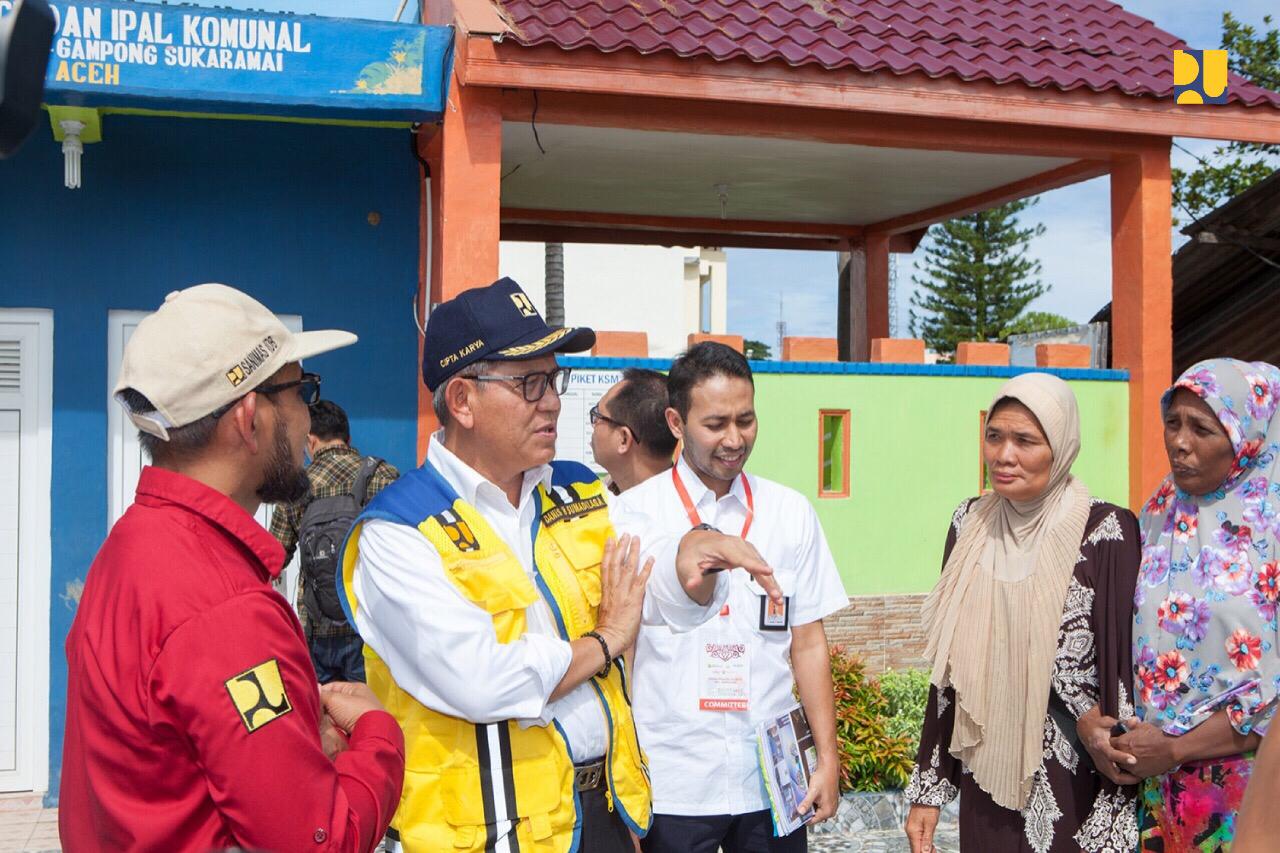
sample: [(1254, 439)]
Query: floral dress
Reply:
[(1205, 634), (1072, 807)]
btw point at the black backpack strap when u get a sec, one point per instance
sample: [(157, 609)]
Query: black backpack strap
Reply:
[(360, 488)]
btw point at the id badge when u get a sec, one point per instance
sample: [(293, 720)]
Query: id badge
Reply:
[(724, 676), (775, 616)]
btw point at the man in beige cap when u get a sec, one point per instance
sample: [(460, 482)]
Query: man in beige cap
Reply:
[(193, 712)]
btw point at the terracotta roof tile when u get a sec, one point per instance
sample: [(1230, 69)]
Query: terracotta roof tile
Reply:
[(1061, 44)]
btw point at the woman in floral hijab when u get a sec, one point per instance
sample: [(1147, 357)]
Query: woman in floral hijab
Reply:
[(1206, 653)]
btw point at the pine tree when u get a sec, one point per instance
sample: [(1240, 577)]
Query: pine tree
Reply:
[(1037, 321), (978, 278)]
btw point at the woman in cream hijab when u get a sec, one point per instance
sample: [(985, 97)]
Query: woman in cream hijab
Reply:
[(1028, 632)]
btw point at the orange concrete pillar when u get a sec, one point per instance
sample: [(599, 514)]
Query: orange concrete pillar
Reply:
[(734, 341), (982, 353), (809, 349), (897, 351), (621, 344), (1142, 304), (465, 157), (1063, 355)]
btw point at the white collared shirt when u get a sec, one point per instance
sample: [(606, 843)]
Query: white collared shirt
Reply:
[(441, 648), (705, 762)]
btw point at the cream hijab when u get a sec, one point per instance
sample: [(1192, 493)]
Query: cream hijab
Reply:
[(992, 620)]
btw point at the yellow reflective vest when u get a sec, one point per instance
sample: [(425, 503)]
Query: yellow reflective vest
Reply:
[(463, 779)]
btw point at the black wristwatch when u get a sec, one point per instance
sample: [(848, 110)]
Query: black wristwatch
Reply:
[(705, 526)]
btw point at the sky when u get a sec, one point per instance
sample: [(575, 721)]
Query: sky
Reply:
[(1074, 252), (378, 10)]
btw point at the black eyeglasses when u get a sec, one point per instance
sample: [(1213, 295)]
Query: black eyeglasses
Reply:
[(308, 385), (596, 415), (533, 385)]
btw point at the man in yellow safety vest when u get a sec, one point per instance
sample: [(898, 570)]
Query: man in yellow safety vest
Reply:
[(495, 599)]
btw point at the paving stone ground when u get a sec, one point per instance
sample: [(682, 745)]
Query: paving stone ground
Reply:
[(872, 823), (865, 823), (27, 827), (880, 841)]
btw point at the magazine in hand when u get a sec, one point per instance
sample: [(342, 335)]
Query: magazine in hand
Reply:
[(788, 760)]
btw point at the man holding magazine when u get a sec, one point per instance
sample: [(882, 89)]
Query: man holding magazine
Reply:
[(702, 696)]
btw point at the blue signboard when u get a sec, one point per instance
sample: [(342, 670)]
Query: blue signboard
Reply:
[(114, 53)]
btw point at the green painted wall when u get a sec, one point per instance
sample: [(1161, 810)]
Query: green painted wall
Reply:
[(914, 455)]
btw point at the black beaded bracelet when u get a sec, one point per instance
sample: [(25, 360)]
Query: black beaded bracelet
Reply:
[(608, 658)]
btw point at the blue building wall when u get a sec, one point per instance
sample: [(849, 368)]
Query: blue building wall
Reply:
[(278, 210)]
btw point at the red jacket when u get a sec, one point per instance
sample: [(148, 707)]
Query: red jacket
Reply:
[(192, 705)]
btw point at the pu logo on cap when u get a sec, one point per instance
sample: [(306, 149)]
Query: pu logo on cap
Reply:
[(523, 305), (252, 361)]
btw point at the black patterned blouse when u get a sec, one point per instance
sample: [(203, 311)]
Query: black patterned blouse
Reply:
[(1072, 807)]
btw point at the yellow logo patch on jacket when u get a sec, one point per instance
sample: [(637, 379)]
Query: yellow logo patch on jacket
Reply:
[(258, 695)]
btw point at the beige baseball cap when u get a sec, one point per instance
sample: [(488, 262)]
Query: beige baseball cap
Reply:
[(205, 347)]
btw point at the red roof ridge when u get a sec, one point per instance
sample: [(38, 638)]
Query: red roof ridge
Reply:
[(1060, 44)]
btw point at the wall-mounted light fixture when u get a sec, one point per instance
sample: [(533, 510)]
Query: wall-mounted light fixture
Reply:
[(74, 127)]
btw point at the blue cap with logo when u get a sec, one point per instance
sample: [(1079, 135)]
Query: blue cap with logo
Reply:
[(494, 323)]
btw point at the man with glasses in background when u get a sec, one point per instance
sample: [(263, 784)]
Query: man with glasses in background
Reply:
[(494, 599), (192, 703), (629, 434)]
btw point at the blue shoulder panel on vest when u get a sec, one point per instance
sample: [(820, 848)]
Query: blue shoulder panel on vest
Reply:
[(415, 496), (564, 472)]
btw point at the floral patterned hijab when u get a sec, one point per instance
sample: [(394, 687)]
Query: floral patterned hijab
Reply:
[(1205, 634)]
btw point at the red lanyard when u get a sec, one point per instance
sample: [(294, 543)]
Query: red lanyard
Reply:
[(692, 512)]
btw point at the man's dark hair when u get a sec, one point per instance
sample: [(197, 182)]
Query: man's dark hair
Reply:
[(184, 441), (700, 363), (328, 422), (641, 404)]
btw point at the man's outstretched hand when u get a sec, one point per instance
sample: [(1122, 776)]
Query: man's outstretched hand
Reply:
[(704, 552)]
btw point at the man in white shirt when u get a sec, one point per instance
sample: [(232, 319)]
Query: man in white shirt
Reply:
[(493, 602), (630, 438), (700, 694)]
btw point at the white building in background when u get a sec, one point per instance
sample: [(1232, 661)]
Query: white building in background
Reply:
[(668, 293)]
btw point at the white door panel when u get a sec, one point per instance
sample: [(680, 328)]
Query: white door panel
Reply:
[(26, 410)]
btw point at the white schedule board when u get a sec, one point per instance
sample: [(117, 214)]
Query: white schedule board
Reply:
[(573, 430)]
